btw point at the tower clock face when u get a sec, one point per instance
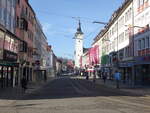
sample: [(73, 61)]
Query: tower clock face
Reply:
[(80, 36)]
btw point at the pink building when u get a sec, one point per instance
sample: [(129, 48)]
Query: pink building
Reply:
[(25, 20)]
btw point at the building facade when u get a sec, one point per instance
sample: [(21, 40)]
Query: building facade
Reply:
[(24, 29), (124, 41), (78, 46), (22, 44), (142, 41), (9, 45)]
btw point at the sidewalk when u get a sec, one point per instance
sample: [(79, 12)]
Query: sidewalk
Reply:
[(16, 92), (138, 90)]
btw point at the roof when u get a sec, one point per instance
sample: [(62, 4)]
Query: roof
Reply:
[(113, 18)]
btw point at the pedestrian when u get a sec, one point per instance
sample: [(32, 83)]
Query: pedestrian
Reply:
[(24, 83), (99, 73), (45, 76), (117, 77), (86, 74), (94, 75), (104, 77)]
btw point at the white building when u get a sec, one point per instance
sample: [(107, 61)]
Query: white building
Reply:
[(126, 41), (142, 41), (78, 46)]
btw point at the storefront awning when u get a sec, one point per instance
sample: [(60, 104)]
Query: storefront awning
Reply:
[(10, 64), (126, 64)]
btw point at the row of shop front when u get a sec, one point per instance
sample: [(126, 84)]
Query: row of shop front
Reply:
[(11, 73), (134, 72), (11, 69)]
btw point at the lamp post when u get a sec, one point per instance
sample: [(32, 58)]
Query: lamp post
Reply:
[(98, 22)]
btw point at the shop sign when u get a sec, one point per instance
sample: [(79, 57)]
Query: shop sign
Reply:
[(11, 44), (10, 56), (94, 55), (145, 58), (128, 64), (5, 63)]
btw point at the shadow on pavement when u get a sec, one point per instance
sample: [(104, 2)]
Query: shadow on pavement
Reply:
[(71, 88)]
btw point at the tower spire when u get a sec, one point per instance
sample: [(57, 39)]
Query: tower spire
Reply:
[(78, 45), (79, 30)]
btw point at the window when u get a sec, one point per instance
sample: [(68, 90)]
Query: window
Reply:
[(17, 22), (126, 34), (143, 43), (141, 2), (121, 37), (128, 15), (18, 1), (146, 0), (1, 39), (147, 42), (23, 46), (7, 42), (0, 3), (24, 24), (139, 45), (121, 22), (26, 11)]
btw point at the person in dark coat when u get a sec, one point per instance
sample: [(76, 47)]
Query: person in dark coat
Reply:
[(24, 83), (104, 77)]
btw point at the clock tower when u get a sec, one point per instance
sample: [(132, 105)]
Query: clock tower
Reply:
[(78, 45)]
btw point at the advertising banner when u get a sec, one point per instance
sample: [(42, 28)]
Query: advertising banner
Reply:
[(11, 44), (94, 55)]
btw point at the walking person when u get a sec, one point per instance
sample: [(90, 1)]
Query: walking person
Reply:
[(94, 75), (86, 74), (104, 77), (117, 77), (24, 84)]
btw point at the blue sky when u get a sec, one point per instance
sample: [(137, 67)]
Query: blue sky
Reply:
[(59, 26)]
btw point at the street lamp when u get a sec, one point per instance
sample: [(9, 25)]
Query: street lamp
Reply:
[(130, 26), (133, 26), (97, 22)]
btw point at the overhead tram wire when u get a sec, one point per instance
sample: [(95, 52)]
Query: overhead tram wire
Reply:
[(85, 19), (98, 28)]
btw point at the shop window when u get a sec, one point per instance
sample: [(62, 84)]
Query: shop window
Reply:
[(143, 43), (7, 42), (147, 42), (139, 45)]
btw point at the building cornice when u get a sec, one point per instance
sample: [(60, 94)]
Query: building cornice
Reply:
[(112, 20)]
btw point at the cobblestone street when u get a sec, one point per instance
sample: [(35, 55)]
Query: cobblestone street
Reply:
[(76, 95)]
